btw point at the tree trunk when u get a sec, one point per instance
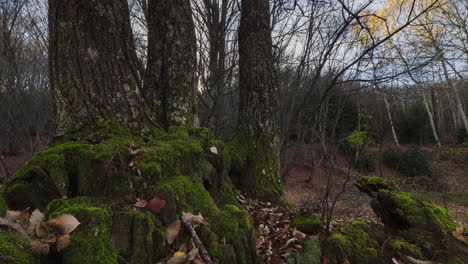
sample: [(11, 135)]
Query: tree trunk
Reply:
[(93, 65), (171, 71), (454, 89), (431, 120), (258, 129), (394, 135)]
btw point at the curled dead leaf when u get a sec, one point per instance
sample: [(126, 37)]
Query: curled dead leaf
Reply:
[(214, 150), (192, 254), (195, 220), (197, 260), (36, 217), (68, 222), (140, 203), (42, 229), (40, 248), (62, 242), (172, 231), (12, 215), (179, 257), (19, 217), (298, 234)]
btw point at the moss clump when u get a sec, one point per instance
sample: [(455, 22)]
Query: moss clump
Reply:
[(311, 254), (254, 166), (409, 212), (235, 226), (426, 228), (90, 242), (184, 195), (378, 183), (230, 224), (355, 245), (310, 225), (400, 245), (15, 250), (148, 240)]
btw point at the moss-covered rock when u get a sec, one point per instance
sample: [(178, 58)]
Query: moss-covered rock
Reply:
[(310, 253), (308, 224), (104, 172), (15, 250), (420, 228)]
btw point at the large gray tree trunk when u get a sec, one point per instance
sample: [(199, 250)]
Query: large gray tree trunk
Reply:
[(92, 65), (258, 130), (171, 70)]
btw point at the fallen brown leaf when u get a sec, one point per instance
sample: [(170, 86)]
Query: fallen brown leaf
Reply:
[(172, 231)]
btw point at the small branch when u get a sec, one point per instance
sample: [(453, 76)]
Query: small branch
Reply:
[(196, 239), (16, 227)]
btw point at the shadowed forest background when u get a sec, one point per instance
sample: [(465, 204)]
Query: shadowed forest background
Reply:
[(307, 102)]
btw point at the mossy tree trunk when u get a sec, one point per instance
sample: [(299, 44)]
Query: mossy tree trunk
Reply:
[(258, 130), (93, 65), (170, 75)]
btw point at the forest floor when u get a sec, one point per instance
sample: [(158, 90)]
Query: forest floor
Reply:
[(308, 178)]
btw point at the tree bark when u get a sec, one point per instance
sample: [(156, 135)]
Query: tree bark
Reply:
[(170, 77), (258, 128), (93, 68)]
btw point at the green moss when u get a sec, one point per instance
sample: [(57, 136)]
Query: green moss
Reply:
[(400, 245), (184, 195), (148, 240), (310, 254), (180, 131), (236, 227), (90, 242), (15, 250), (310, 225), (355, 245), (415, 213), (178, 156), (254, 165), (377, 183)]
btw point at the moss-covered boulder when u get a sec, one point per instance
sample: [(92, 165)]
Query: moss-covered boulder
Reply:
[(97, 174)]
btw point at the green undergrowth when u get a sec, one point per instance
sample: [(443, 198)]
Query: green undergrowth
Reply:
[(15, 250)]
